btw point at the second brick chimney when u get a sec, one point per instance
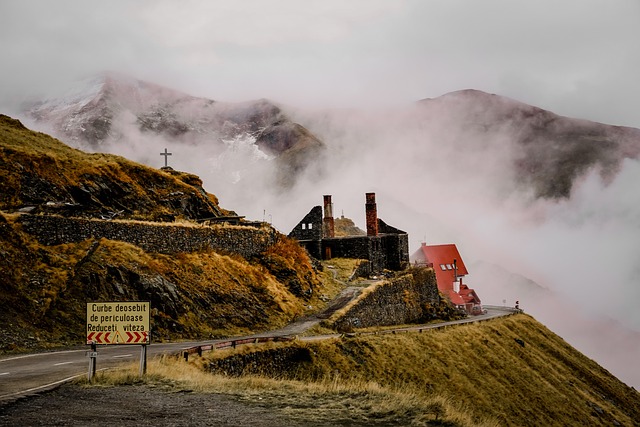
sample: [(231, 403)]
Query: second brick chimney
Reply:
[(372, 214)]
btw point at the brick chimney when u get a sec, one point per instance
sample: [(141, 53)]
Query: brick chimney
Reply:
[(328, 228), (372, 214)]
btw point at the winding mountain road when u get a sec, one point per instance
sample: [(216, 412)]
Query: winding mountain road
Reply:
[(27, 374)]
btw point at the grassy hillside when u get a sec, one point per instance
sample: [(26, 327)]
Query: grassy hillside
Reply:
[(40, 173), (509, 371), (469, 375), (44, 289)]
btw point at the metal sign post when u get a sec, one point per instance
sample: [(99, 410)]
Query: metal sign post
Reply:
[(143, 360), (93, 355)]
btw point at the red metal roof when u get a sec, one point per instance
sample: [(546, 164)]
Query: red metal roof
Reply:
[(442, 258), (455, 298), (469, 295), (443, 254)]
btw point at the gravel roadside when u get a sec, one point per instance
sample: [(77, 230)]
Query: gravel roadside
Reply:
[(140, 405)]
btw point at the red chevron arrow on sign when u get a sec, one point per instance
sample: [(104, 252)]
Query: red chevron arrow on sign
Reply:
[(134, 337), (102, 338), (90, 337)]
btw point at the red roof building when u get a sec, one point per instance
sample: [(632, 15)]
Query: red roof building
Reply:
[(450, 270)]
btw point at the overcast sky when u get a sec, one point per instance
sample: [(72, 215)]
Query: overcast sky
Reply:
[(579, 58)]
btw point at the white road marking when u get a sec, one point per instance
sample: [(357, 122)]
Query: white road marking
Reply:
[(39, 354), (122, 355), (4, 373), (31, 390), (61, 363)]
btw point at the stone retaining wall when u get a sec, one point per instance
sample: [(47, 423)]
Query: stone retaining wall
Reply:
[(262, 362), (160, 238), (411, 298)]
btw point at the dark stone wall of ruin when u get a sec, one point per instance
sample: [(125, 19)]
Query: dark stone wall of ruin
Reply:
[(348, 247), (384, 252), (314, 247), (396, 250), (310, 228), (411, 298), (384, 228), (166, 239), (388, 250)]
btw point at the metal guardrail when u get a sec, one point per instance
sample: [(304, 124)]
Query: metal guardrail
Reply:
[(503, 308), (232, 344)]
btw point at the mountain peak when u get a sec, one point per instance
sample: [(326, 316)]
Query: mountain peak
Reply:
[(474, 98)]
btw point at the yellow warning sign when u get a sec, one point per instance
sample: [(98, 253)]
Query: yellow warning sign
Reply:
[(118, 322)]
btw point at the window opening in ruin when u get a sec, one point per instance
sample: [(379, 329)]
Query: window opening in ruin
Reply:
[(310, 226), (304, 226)]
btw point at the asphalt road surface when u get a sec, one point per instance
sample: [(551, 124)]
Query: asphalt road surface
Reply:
[(26, 374)]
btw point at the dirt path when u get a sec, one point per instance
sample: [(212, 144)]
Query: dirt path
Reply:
[(307, 322)]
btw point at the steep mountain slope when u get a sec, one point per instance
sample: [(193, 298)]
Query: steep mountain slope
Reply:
[(204, 293), (113, 109), (550, 151), (511, 371), (39, 173)]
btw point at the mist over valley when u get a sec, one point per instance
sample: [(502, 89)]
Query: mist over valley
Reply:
[(542, 206)]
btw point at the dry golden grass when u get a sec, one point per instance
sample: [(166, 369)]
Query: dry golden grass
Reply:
[(219, 295), (41, 158), (331, 401), (468, 375), (482, 368), (341, 269)]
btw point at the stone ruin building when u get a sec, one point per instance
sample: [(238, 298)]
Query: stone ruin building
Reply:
[(385, 247)]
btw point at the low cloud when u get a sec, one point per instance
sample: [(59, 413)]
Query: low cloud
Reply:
[(581, 251)]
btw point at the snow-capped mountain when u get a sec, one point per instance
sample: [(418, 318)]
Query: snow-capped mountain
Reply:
[(113, 109)]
